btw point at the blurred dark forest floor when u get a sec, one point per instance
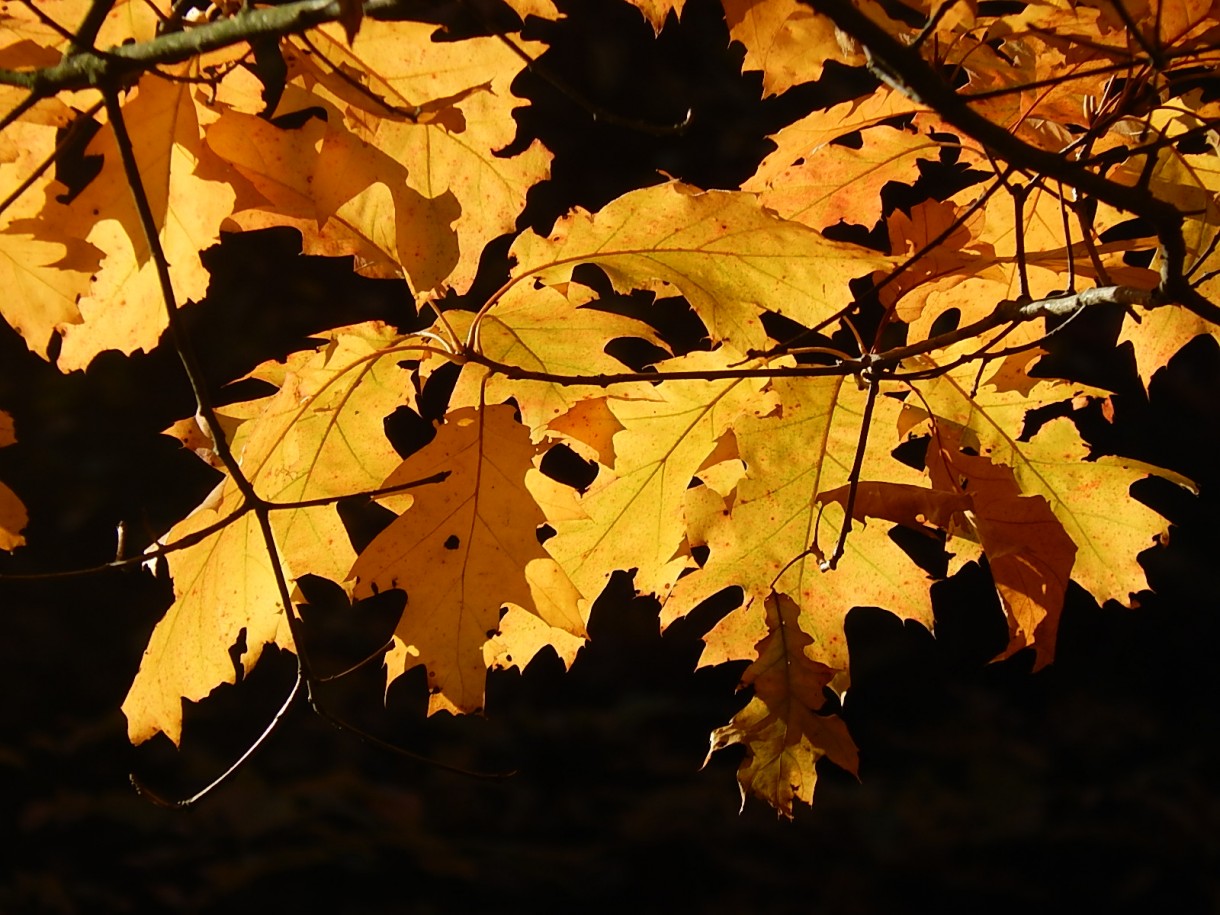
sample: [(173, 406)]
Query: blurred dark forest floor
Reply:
[(1090, 785)]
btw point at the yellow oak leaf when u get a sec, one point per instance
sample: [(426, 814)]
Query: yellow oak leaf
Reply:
[(803, 137), (223, 586), (44, 277), (543, 9), (730, 258), (785, 39), (441, 110), (124, 308), (1091, 499), (465, 548), (976, 266), (13, 516), (589, 427), (782, 732), (522, 635), (543, 330), (1162, 332), (319, 437), (1029, 554), (634, 510), (1028, 551), (344, 195), (775, 534), (833, 183), (126, 20), (657, 11)]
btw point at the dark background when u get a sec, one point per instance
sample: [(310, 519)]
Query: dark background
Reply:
[(1090, 784)]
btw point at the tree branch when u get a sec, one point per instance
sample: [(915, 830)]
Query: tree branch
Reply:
[(122, 64), (906, 71)]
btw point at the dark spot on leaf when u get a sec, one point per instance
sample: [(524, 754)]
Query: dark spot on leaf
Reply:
[(452, 542)]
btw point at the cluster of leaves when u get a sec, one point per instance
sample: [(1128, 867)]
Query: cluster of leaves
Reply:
[(762, 462)]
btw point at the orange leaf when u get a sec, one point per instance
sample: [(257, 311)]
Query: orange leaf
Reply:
[(783, 735), (464, 549)]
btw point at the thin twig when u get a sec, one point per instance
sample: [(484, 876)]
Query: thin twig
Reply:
[(69, 136), (344, 725), (363, 662), (162, 801), (189, 540), (853, 478)]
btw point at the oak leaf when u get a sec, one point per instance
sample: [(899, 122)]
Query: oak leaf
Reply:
[(318, 437), (44, 277), (1090, 498), (463, 549), (545, 330), (442, 111), (124, 309), (787, 40), (633, 514), (1161, 333), (657, 11), (781, 729), (775, 535), (727, 255)]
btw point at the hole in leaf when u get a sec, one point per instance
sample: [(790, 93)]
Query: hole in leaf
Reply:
[(635, 353), (946, 321), (563, 465), (912, 452), (297, 119)]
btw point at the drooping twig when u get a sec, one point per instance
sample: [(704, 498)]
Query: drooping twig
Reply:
[(162, 801)]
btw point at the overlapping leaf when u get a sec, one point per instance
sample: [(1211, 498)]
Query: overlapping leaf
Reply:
[(441, 111), (774, 534), (464, 549), (123, 308), (318, 437), (545, 331), (633, 512), (1091, 499), (728, 256), (781, 729)]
